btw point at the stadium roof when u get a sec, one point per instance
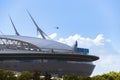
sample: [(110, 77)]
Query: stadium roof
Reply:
[(38, 42)]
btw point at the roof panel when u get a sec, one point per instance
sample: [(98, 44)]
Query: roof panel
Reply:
[(41, 43)]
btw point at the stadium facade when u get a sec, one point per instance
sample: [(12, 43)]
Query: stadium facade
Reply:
[(23, 53)]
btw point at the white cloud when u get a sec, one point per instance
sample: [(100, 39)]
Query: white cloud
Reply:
[(99, 40), (108, 40), (52, 36), (39, 36)]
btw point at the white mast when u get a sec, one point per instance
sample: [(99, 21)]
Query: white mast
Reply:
[(44, 36), (16, 32)]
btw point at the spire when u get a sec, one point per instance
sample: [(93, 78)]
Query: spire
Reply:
[(44, 36), (16, 32), (75, 46)]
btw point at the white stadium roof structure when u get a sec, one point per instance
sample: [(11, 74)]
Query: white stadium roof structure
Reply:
[(14, 42)]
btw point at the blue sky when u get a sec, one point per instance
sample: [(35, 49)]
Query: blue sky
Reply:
[(94, 23)]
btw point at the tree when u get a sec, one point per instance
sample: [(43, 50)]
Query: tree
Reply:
[(98, 78), (7, 75), (25, 75), (108, 76), (84, 78), (71, 77), (36, 75), (2, 74)]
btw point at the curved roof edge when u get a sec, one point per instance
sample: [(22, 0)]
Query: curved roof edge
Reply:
[(41, 43)]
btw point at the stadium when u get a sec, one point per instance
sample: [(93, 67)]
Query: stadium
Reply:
[(23, 53)]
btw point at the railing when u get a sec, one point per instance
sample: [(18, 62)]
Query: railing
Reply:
[(41, 51)]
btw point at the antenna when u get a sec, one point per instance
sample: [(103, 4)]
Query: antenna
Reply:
[(16, 32), (38, 29)]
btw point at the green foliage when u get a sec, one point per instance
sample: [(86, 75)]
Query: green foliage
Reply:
[(98, 77), (108, 76), (36, 75), (76, 77), (25, 75), (7, 75), (84, 78), (2, 74), (71, 77)]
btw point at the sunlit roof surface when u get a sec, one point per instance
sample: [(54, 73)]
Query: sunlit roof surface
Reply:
[(41, 43)]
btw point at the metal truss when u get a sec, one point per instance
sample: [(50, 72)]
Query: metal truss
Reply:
[(6, 43)]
